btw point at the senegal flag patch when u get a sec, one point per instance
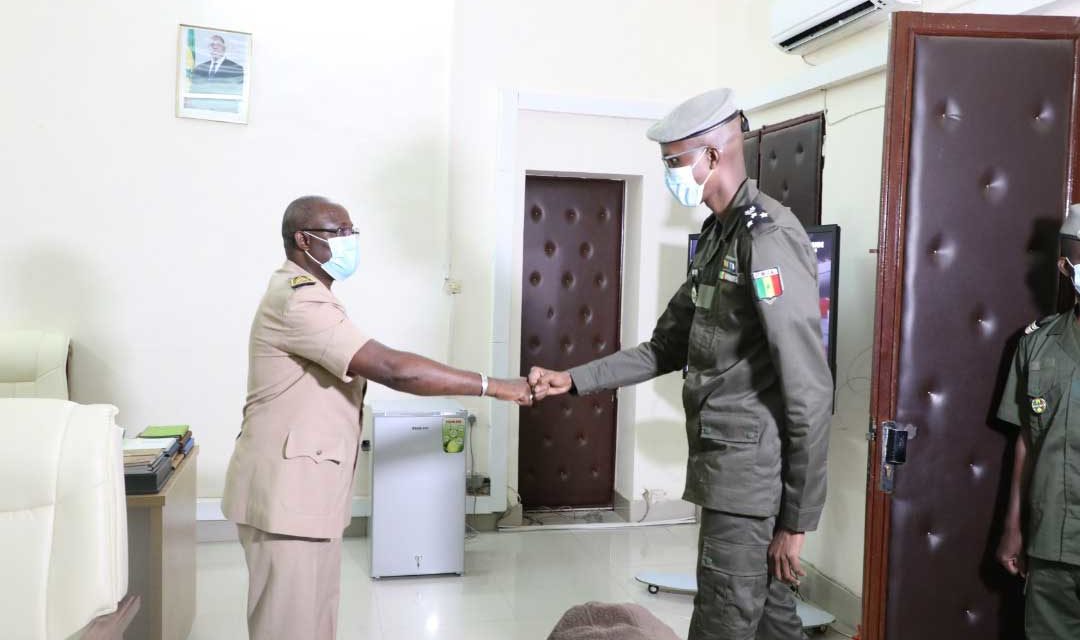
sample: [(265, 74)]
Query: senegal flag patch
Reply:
[(768, 284)]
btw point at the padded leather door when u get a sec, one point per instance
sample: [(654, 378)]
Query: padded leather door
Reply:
[(791, 164), (571, 279), (979, 155)]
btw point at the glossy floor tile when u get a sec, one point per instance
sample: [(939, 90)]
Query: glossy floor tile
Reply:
[(516, 587)]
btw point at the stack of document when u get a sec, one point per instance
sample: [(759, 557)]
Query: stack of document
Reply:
[(150, 458), (185, 442), (146, 463)]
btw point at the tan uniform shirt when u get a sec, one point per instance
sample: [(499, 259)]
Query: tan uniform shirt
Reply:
[(293, 468)]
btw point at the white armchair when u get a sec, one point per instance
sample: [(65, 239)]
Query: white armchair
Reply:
[(33, 364), (63, 521)]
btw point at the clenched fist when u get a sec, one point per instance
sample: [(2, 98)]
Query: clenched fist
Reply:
[(517, 390), (1010, 552), (549, 383)]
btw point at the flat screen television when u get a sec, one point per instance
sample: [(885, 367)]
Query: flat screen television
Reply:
[(825, 240)]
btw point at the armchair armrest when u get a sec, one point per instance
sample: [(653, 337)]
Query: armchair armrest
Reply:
[(112, 626)]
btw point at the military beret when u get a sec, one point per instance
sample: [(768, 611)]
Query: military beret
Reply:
[(1071, 227), (695, 116)]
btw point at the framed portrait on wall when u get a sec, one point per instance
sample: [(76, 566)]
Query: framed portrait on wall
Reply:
[(213, 74)]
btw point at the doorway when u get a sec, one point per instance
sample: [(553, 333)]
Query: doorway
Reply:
[(570, 314)]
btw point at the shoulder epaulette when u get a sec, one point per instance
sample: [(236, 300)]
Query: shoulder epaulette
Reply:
[(300, 281), (1039, 324), (753, 216)]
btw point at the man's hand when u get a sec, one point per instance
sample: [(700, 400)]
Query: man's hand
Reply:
[(784, 556), (549, 383), (1010, 552), (512, 390)]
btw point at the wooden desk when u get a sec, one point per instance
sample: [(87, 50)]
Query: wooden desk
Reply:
[(161, 556)]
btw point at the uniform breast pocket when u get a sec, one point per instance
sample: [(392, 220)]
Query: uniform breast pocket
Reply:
[(702, 329), (732, 305), (313, 476), (1043, 395)]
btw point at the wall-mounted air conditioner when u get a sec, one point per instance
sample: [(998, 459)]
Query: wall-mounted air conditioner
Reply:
[(801, 26)]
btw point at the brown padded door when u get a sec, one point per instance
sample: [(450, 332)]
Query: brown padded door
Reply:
[(570, 306), (977, 217), (791, 165)]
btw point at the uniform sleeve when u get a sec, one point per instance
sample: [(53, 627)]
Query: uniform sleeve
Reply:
[(785, 290), (1013, 398), (317, 329), (663, 353)]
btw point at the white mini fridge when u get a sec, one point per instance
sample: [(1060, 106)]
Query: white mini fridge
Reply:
[(418, 487)]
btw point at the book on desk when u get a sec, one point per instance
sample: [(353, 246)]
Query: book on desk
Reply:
[(150, 458)]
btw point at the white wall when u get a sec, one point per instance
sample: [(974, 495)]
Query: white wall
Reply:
[(150, 238)]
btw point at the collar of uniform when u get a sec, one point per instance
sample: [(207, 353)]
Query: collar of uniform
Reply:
[(1063, 322), (742, 199), (1070, 340), (297, 270)]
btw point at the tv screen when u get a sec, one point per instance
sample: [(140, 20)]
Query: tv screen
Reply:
[(691, 249), (825, 240)]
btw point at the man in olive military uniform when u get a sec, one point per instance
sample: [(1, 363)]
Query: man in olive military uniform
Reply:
[(758, 394), (1045, 493)]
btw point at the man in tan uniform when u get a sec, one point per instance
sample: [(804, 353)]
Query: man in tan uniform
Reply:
[(289, 485)]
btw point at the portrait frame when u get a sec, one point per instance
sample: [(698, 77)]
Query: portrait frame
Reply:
[(213, 74)]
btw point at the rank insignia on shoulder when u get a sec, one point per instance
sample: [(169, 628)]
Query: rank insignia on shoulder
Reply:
[(768, 284), (1038, 324), (755, 216), (1038, 406), (300, 281)]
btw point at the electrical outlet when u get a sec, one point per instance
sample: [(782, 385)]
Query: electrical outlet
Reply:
[(453, 286), (655, 495)]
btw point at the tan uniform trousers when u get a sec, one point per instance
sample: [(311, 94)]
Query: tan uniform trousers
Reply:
[(293, 585)]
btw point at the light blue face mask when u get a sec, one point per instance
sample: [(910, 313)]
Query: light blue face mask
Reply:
[(1075, 276), (681, 183), (344, 255)]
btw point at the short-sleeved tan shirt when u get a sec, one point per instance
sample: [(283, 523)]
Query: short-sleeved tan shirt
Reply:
[(293, 468)]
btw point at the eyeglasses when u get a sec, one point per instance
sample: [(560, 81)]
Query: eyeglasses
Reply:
[(672, 161), (341, 233)]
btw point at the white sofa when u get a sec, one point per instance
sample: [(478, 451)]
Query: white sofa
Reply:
[(63, 519), (33, 364)]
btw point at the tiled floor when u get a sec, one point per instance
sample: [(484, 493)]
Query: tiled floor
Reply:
[(516, 586)]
